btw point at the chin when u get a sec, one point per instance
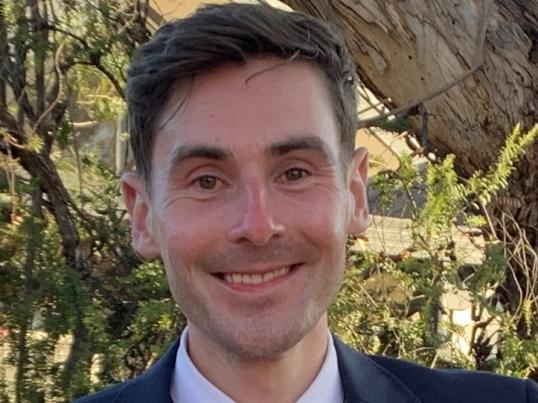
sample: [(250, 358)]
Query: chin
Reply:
[(262, 347), (263, 341)]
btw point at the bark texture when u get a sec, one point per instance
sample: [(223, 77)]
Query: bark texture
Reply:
[(405, 50), (409, 50)]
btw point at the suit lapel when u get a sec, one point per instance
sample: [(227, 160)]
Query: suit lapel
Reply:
[(365, 381), (154, 385)]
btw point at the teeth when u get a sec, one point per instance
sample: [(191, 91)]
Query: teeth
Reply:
[(239, 278), (269, 276), (254, 279)]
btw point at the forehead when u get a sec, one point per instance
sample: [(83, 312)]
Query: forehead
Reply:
[(246, 107)]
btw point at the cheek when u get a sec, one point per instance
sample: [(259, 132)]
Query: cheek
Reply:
[(322, 210), (180, 238)]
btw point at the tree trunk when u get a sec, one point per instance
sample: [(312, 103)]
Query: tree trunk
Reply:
[(405, 50), (472, 67), (39, 51)]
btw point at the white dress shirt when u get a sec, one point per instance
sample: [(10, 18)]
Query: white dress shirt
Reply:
[(190, 386)]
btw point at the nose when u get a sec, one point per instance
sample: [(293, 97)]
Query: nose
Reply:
[(256, 224)]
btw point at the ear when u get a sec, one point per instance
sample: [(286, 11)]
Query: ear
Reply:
[(356, 182), (139, 209)]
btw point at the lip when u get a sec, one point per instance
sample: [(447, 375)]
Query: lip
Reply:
[(260, 288)]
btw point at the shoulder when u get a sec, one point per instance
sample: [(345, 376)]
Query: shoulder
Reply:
[(107, 395), (140, 389), (459, 385), (383, 379), (153, 386)]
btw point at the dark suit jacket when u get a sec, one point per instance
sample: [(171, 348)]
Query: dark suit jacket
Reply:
[(365, 379)]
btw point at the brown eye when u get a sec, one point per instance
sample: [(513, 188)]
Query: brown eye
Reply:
[(295, 174), (207, 182)]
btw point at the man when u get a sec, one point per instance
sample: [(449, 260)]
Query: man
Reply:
[(247, 186)]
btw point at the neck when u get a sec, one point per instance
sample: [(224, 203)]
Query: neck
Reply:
[(282, 379)]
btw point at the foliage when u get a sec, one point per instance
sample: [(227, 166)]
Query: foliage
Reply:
[(395, 124), (77, 308), (126, 306), (396, 305)]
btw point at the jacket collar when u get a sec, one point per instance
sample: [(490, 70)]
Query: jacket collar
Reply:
[(154, 385), (365, 381)]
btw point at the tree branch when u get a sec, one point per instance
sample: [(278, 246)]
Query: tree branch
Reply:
[(477, 63)]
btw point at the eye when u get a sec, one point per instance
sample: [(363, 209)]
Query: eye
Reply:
[(206, 182), (295, 174)]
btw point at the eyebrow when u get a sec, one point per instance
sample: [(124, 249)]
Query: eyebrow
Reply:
[(312, 143), (185, 152), (278, 149)]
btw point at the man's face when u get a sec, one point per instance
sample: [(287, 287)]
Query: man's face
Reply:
[(250, 206)]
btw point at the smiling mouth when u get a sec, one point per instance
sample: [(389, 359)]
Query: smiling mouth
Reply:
[(255, 278)]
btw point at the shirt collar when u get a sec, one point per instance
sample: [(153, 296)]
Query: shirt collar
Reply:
[(189, 385), (327, 386)]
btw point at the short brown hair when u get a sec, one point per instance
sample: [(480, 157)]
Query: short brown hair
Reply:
[(232, 33)]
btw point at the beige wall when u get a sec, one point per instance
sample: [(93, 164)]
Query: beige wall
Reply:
[(180, 8)]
